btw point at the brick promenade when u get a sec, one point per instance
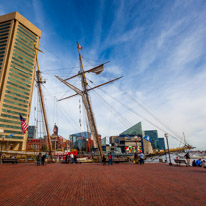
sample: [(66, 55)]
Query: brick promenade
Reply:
[(95, 184)]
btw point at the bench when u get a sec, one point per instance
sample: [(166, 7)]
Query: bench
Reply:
[(180, 162), (13, 161)]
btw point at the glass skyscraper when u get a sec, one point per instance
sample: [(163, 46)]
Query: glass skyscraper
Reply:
[(17, 72), (154, 136)]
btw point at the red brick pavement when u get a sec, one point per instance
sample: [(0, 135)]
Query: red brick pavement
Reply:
[(95, 184)]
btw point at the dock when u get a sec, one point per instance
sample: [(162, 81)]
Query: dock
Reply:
[(94, 184)]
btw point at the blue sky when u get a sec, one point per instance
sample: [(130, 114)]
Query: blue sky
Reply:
[(158, 46)]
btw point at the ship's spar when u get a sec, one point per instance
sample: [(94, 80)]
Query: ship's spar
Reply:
[(85, 97), (39, 82)]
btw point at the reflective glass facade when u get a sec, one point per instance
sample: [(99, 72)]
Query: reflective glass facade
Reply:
[(154, 136), (17, 70)]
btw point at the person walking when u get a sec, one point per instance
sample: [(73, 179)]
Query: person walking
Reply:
[(135, 158), (187, 156), (75, 159), (43, 159), (104, 160), (72, 157), (141, 158), (66, 158), (38, 158), (46, 158), (110, 158)]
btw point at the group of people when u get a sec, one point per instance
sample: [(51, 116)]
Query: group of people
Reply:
[(42, 159), (195, 163), (110, 157), (71, 159), (139, 158), (199, 163)]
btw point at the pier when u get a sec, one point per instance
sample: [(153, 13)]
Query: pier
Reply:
[(95, 184)]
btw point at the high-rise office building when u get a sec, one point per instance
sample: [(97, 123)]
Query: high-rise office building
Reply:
[(161, 143), (17, 72), (154, 137)]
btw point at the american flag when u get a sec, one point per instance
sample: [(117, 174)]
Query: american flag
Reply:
[(24, 126)]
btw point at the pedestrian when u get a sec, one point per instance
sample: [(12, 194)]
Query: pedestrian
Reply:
[(66, 158), (193, 163), (43, 159), (141, 158), (75, 159), (135, 158), (110, 159), (187, 156), (46, 158), (198, 163), (38, 158), (203, 164), (72, 158), (104, 160)]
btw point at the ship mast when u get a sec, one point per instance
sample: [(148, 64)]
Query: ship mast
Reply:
[(85, 98), (88, 107), (39, 82)]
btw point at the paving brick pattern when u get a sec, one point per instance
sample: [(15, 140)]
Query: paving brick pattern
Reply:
[(95, 184)]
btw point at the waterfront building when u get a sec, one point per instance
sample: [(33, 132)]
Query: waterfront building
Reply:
[(37, 144), (161, 143), (131, 140), (135, 130), (17, 72), (154, 137), (125, 143)]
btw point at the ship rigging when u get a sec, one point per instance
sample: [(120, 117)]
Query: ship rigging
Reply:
[(85, 97)]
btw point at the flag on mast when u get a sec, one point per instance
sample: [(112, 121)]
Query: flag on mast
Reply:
[(79, 47), (24, 126)]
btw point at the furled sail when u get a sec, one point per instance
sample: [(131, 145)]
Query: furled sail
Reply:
[(97, 70)]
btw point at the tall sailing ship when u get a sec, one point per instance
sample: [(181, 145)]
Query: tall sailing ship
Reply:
[(83, 92)]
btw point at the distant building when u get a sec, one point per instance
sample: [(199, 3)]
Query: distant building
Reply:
[(58, 142), (31, 132), (126, 143), (82, 141), (162, 143), (131, 140), (154, 136), (37, 144), (135, 130), (105, 141)]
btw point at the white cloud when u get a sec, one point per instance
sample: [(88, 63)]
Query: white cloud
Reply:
[(163, 64)]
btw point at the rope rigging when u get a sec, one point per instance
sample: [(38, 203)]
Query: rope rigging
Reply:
[(134, 112), (154, 116), (124, 121), (118, 115)]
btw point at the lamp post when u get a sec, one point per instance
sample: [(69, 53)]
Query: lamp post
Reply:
[(165, 156), (166, 136)]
